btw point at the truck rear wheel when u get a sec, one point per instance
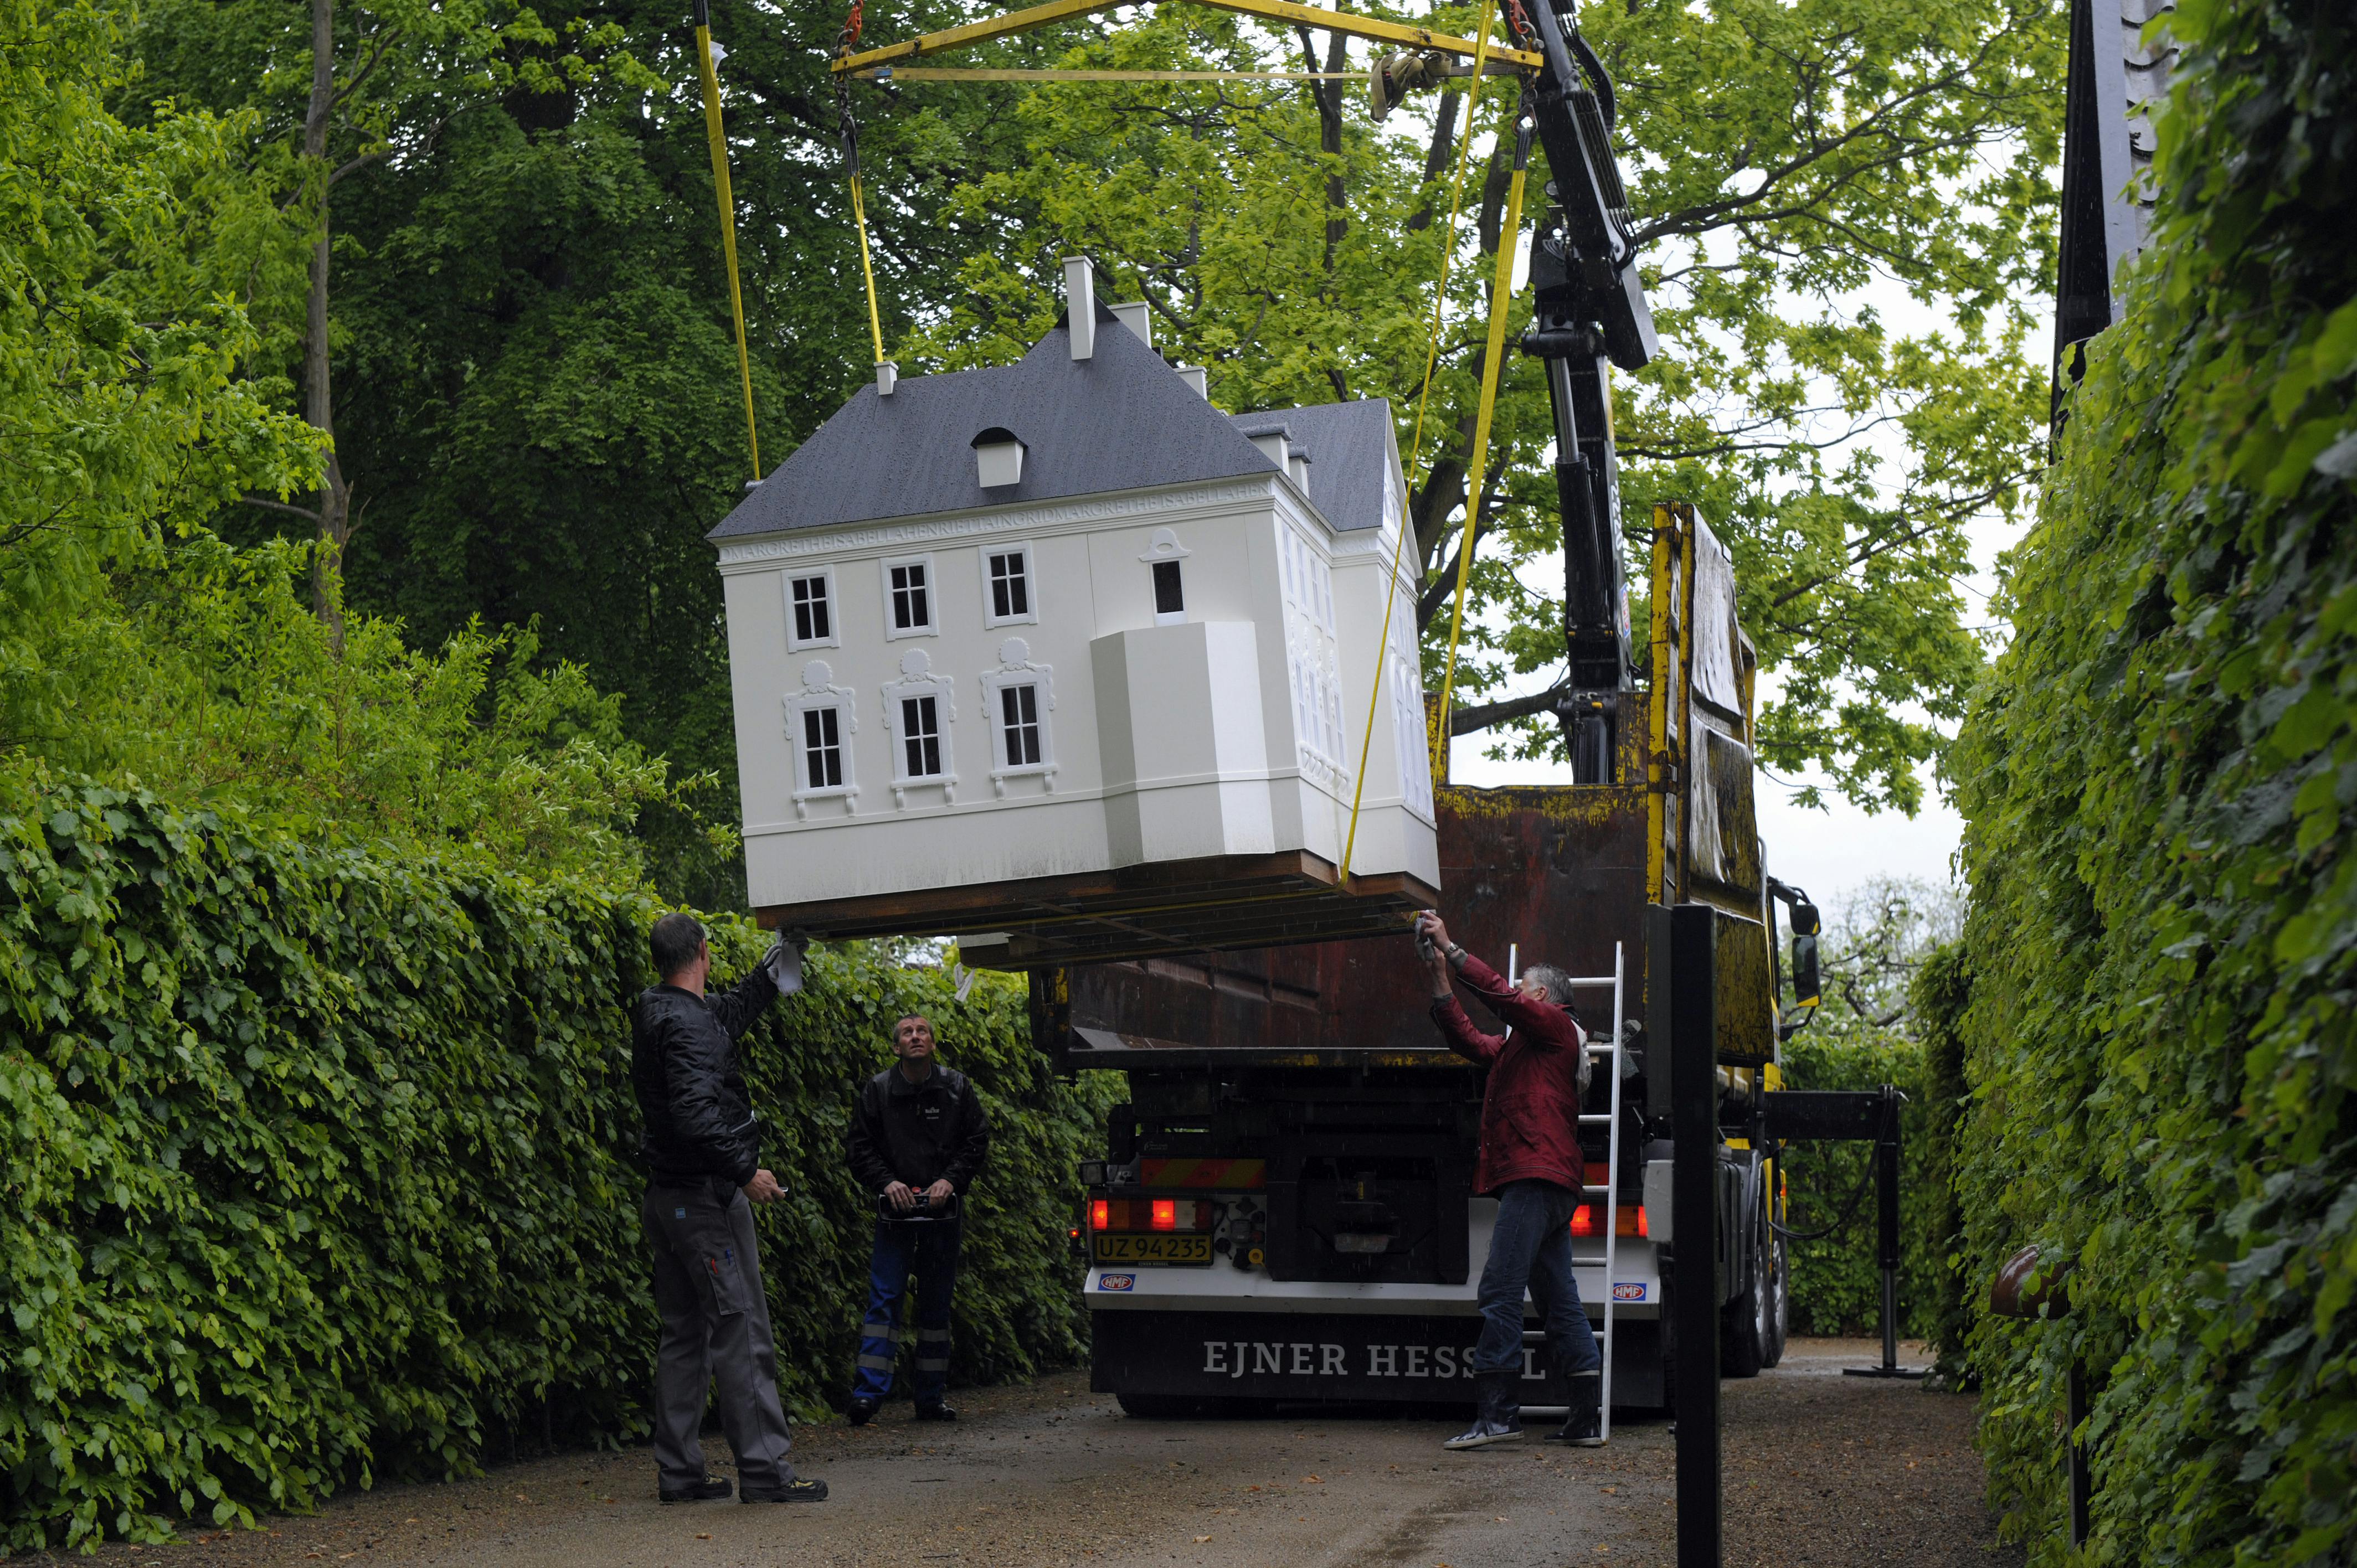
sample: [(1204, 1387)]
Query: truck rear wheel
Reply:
[(1744, 1330), (1780, 1312)]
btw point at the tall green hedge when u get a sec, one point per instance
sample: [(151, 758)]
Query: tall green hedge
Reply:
[(317, 1166), (2159, 777)]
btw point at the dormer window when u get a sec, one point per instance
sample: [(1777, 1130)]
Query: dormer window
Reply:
[(997, 458)]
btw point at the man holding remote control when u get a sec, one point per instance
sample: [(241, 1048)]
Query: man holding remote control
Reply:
[(918, 1139)]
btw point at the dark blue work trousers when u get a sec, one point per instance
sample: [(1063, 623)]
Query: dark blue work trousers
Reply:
[(1530, 1250), (927, 1249)]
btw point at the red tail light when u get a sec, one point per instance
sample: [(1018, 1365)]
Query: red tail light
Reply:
[(1101, 1215), (1166, 1214), (1630, 1221)]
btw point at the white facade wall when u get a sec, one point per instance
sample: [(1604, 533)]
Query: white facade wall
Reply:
[(1159, 737)]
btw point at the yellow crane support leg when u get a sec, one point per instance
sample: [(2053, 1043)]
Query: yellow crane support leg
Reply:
[(727, 200), (1502, 294)]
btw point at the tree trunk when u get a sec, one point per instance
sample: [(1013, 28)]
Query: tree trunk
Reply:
[(318, 399)]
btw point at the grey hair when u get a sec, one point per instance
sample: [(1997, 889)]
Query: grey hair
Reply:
[(1558, 990)]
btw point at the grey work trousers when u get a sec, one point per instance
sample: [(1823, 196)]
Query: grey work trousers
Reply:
[(715, 1325)]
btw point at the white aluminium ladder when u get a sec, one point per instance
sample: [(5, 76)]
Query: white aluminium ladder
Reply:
[(1611, 1191)]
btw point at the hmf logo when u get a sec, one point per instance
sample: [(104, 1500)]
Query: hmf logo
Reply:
[(1116, 1281), (1629, 1293)]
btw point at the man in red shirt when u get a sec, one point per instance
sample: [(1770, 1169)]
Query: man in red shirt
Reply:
[(1531, 1162)]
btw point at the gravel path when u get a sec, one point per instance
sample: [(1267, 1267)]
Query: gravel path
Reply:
[(1820, 1469)]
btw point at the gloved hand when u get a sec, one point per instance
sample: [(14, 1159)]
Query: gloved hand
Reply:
[(784, 962)]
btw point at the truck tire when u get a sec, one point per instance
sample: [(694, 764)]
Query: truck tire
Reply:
[(1780, 1312), (1743, 1322)]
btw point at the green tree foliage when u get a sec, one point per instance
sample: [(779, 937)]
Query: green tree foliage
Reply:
[(318, 1165), (1868, 1032), (537, 410), (2158, 776), (127, 256), (1783, 158)]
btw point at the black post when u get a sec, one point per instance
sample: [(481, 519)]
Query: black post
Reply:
[(1886, 1207), (1694, 1208)]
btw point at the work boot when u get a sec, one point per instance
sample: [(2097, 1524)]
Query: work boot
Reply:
[(1498, 1416), (935, 1410), (704, 1491), (801, 1490), (863, 1410), (1583, 1425)]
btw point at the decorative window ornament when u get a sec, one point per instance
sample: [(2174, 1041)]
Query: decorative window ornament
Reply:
[(1018, 699), (919, 710), (821, 719)]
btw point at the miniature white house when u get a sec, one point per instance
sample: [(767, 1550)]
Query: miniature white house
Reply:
[(1060, 642)]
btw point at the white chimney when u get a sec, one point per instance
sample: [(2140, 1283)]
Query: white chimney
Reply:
[(1299, 469), (1272, 445), (887, 376), (1081, 305), (1199, 377), (1136, 316)]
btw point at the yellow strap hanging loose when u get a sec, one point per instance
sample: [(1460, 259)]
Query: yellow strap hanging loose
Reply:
[(1502, 294), (727, 200), (1416, 446)]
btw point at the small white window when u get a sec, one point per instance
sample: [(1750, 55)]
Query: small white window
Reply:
[(1169, 594), (810, 609), (921, 737), (909, 597), (1018, 718), (823, 748), (1009, 594), (919, 709), (1017, 699), (820, 723)]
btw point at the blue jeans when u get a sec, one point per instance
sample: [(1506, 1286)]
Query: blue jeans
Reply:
[(1530, 1249), (929, 1250)]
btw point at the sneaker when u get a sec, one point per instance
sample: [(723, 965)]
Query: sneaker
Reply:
[(935, 1410), (802, 1489), (863, 1410), (1484, 1433), (706, 1490), (1498, 1415)]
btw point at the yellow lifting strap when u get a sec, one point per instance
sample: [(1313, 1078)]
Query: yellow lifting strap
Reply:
[(728, 215), (1416, 445), (866, 267), (1502, 294), (893, 73)]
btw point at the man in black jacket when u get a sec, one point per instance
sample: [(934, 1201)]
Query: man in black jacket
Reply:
[(918, 1139), (703, 1148)]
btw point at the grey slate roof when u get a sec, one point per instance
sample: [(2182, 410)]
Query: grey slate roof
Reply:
[(1347, 452), (1120, 420), (2115, 80)]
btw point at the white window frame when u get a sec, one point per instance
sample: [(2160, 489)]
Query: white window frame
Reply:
[(917, 679), (1165, 546), (819, 691), (833, 638), (1015, 667), (893, 630), (1030, 614)]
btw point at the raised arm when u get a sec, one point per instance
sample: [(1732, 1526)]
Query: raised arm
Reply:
[(741, 1003)]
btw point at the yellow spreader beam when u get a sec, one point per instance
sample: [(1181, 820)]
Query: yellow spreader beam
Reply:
[(1397, 34)]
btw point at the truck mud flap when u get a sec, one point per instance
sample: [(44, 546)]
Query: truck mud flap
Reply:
[(1326, 1359)]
